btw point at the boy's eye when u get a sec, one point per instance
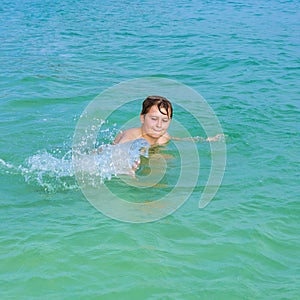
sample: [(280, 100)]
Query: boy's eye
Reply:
[(153, 118), (165, 120)]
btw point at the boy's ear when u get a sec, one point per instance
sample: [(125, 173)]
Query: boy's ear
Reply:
[(142, 118)]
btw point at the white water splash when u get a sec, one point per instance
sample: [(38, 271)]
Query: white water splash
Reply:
[(111, 160), (54, 171)]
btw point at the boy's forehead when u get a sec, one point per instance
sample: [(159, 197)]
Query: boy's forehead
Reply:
[(154, 110)]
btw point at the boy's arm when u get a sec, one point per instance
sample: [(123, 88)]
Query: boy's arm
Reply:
[(215, 138), (118, 138)]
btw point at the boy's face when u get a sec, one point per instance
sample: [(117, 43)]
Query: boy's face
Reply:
[(154, 123)]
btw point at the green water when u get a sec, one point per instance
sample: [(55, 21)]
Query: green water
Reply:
[(243, 58)]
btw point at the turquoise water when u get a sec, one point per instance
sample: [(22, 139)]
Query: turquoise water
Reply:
[(243, 57)]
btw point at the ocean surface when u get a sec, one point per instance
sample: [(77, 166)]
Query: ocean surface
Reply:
[(243, 57)]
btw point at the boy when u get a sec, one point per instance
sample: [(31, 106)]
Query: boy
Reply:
[(155, 120)]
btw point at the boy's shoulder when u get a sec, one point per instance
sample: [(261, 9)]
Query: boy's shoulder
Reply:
[(128, 135), (132, 133)]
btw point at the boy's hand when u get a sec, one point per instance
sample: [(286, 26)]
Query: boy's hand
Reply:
[(215, 138)]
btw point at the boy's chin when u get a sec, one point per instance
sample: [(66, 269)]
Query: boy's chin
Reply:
[(155, 135)]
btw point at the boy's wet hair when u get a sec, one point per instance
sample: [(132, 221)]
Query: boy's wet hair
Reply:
[(160, 102)]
